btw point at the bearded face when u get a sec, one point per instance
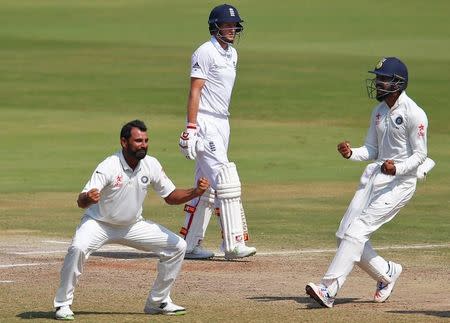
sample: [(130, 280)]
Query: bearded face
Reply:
[(136, 146)]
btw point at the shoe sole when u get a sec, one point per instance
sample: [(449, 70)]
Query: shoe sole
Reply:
[(177, 313), (311, 292), (384, 300), (240, 257), (66, 318)]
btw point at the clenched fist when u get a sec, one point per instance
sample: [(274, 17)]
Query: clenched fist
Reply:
[(202, 185), (388, 167), (344, 149), (87, 198)]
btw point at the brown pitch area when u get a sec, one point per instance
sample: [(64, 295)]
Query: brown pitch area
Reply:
[(263, 288)]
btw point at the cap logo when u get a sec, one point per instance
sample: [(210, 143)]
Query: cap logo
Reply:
[(380, 63), (231, 12)]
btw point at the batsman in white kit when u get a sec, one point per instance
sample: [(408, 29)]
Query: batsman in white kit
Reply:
[(112, 200), (397, 144), (206, 138)]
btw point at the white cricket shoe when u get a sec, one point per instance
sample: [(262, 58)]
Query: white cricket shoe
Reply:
[(320, 294), (384, 290), (167, 308), (240, 251), (199, 253), (64, 313)]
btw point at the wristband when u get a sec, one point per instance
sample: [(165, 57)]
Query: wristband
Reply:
[(191, 125)]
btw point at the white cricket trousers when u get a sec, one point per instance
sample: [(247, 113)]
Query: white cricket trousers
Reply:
[(378, 199), (214, 133), (143, 235)]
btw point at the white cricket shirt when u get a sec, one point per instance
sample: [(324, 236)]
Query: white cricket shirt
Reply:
[(398, 133), (122, 190), (218, 67)]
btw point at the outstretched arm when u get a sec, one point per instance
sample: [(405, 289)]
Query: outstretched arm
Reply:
[(180, 196)]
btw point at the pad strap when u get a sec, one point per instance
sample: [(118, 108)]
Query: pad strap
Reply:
[(197, 219)]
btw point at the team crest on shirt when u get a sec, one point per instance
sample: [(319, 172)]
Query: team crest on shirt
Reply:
[(421, 132), (377, 119), (399, 120), (212, 146), (118, 181), (144, 179)]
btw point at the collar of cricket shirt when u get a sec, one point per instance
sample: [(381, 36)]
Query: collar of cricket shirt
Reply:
[(399, 101), (125, 165), (224, 52)]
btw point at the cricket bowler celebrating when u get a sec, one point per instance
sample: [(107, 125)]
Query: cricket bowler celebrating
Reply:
[(206, 138), (112, 200), (397, 143)]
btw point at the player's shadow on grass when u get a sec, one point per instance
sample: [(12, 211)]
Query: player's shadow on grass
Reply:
[(123, 254), (431, 313), (51, 315), (302, 300), (140, 255), (220, 259), (298, 299), (36, 315)]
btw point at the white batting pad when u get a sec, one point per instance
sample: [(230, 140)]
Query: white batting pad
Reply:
[(229, 201)]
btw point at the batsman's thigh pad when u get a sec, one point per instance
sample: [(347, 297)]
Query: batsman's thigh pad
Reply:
[(197, 219), (229, 202)]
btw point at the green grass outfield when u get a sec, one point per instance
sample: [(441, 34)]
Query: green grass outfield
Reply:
[(72, 72)]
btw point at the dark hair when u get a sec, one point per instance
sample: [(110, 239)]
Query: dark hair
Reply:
[(126, 129)]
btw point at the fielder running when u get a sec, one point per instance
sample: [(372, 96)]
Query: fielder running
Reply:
[(206, 138), (112, 200), (397, 142)]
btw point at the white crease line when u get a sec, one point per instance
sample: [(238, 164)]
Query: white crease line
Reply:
[(279, 253), (20, 253), (104, 248), (299, 252), (269, 253), (28, 265), (55, 241), (6, 281)]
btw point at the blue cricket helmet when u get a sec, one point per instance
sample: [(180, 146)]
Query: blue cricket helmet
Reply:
[(223, 14), (390, 67), (393, 67)]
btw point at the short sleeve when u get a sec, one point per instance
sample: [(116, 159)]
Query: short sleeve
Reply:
[(161, 184), (99, 178), (200, 63)]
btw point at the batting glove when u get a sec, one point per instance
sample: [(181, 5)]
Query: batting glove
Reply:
[(188, 141)]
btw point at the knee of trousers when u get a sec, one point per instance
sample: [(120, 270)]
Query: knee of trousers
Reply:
[(181, 245), (359, 232), (75, 252)]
